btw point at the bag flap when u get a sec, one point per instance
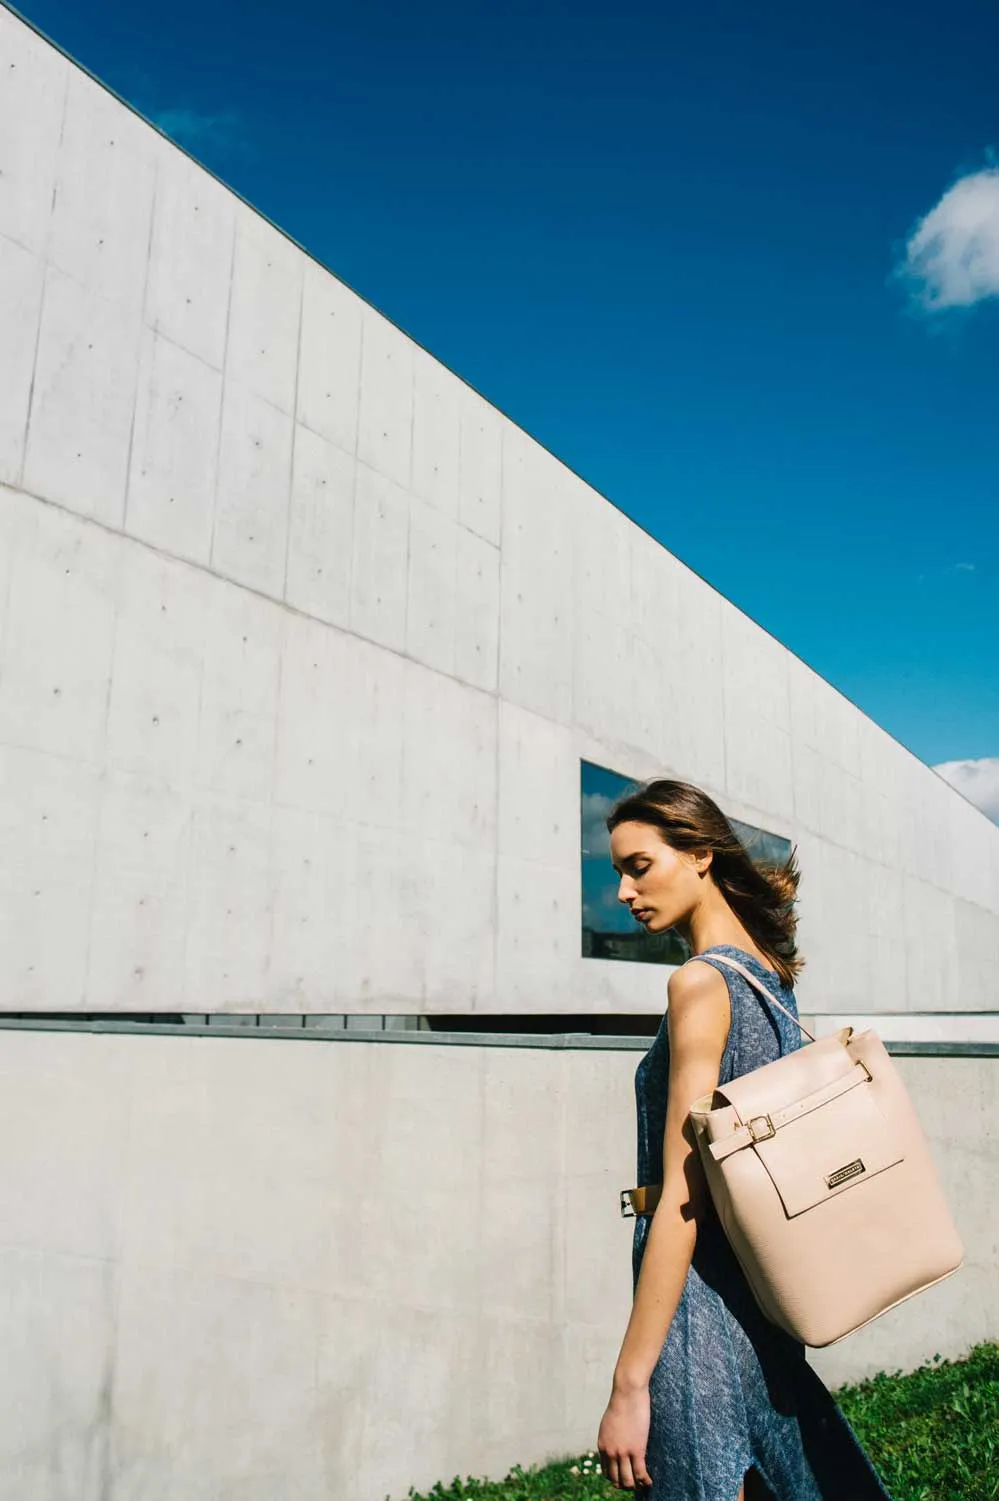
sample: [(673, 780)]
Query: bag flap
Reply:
[(775, 1084), (829, 1150)]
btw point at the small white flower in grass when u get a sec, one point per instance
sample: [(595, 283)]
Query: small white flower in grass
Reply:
[(574, 1470)]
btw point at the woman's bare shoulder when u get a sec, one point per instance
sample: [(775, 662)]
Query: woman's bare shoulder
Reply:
[(693, 980)]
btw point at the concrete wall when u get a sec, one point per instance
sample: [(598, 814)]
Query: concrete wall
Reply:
[(334, 1269), (302, 642)]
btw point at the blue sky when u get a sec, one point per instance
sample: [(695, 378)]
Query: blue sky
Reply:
[(663, 238)]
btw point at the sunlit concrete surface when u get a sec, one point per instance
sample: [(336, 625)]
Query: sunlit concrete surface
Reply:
[(330, 1270), (303, 641)]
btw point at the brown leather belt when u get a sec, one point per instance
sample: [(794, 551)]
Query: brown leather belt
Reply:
[(643, 1200)]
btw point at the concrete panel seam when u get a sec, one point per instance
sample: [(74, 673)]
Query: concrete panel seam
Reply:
[(225, 383), (360, 367), (497, 772), (138, 363), (225, 578), (100, 802), (272, 899), (497, 780), (41, 307), (294, 429)]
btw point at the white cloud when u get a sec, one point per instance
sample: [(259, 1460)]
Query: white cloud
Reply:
[(978, 781), (595, 835), (952, 256), (946, 570)]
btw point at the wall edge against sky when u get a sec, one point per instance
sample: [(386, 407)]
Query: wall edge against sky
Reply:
[(314, 259)]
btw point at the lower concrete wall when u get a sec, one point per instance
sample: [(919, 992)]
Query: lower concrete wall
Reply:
[(331, 1269)]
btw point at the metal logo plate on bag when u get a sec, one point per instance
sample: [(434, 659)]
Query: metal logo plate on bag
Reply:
[(841, 1174)]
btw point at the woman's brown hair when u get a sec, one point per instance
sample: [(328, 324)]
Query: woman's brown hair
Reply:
[(762, 896)]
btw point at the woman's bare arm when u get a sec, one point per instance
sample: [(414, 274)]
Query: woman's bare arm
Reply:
[(698, 1020)]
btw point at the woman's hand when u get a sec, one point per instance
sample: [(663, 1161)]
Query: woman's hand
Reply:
[(623, 1436)]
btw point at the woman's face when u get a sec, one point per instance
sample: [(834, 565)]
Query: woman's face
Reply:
[(659, 884)]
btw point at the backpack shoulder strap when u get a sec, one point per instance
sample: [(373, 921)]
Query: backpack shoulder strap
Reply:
[(758, 984)]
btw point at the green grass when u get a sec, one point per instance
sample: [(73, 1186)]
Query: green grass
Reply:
[(932, 1434)]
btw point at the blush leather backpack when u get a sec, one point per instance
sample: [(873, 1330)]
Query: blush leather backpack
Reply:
[(824, 1184)]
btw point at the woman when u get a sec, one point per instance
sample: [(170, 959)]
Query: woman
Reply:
[(710, 1400)]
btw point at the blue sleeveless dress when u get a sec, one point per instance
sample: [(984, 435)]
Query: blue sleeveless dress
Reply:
[(731, 1390)]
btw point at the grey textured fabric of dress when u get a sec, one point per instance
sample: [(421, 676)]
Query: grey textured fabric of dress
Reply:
[(731, 1390)]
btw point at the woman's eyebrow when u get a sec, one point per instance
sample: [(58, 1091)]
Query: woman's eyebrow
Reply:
[(630, 859)]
